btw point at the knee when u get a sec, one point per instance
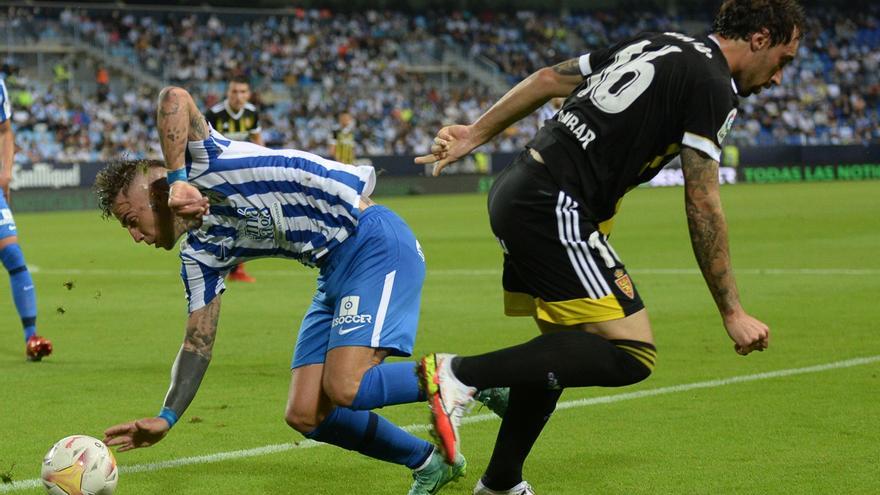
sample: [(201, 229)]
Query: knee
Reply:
[(11, 255), (640, 373), (341, 390), (637, 370), (635, 361), (302, 421)]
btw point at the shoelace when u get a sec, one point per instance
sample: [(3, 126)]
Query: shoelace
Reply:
[(467, 408)]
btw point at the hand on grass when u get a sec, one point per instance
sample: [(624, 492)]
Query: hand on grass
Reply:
[(748, 333), (136, 434)]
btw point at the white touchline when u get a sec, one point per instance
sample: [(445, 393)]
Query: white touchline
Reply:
[(478, 418), (459, 272)]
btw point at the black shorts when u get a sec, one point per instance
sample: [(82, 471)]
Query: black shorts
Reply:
[(558, 265)]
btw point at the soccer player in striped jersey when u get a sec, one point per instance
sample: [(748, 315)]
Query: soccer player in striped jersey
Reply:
[(238, 119), (629, 110), (233, 201), (23, 294)]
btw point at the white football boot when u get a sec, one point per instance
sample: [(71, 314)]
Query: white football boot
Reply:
[(448, 398), (523, 488)]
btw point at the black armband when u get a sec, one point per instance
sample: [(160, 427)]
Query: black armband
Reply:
[(186, 376)]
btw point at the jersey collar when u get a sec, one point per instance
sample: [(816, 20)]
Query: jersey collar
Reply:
[(235, 116), (732, 82)]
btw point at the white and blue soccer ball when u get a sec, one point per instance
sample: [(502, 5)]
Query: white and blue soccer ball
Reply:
[(79, 465)]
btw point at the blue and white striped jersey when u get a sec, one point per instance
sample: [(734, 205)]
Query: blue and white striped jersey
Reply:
[(5, 106), (265, 203)]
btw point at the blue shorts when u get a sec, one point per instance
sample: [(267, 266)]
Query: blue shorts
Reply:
[(369, 292), (7, 223)]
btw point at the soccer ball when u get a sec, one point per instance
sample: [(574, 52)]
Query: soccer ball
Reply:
[(79, 465)]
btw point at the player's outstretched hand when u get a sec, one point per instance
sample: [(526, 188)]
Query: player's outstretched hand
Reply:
[(748, 333), (186, 201), (136, 434), (452, 143)]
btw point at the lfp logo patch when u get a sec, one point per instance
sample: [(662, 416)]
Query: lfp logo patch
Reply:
[(6, 219), (348, 315), (726, 126), (349, 305)]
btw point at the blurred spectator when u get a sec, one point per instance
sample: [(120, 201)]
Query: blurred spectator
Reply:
[(62, 75), (102, 81), (318, 64)]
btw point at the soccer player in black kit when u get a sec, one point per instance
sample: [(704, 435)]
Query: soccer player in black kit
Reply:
[(630, 109), (237, 119)]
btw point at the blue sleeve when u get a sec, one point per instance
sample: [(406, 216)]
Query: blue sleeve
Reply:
[(201, 282), (5, 106)]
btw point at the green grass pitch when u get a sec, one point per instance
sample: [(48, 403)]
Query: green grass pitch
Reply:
[(807, 259)]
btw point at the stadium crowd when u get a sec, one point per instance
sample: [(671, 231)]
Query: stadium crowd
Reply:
[(325, 63)]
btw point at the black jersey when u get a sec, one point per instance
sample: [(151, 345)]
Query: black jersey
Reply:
[(640, 101), (343, 141), (237, 126)]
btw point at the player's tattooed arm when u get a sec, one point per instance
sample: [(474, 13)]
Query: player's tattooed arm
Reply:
[(198, 126), (194, 356), (524, 98), (172, 120), (708, 228), (179, 121), (570, 67), (527, 96), (201, 329)]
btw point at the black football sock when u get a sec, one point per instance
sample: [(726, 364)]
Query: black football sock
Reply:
[(571, 358), (528, 411)]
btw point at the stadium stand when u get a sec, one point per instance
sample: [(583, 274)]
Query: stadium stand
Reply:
[(400, 75)]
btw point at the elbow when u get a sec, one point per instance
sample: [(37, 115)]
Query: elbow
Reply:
[(168, 91), (546, 75), (552, 84), (172, 95), (702, 205), (547, 79)]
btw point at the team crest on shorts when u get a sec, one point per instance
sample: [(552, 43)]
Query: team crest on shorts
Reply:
[(624, 283)]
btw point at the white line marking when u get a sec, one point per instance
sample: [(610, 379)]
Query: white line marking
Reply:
[(765, 271), (478, 418), (467, 273)]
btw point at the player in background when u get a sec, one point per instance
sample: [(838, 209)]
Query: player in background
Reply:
[(237, 118), (630, 109), (342, 142), (294, 205), (549, 110), (23, 293)]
